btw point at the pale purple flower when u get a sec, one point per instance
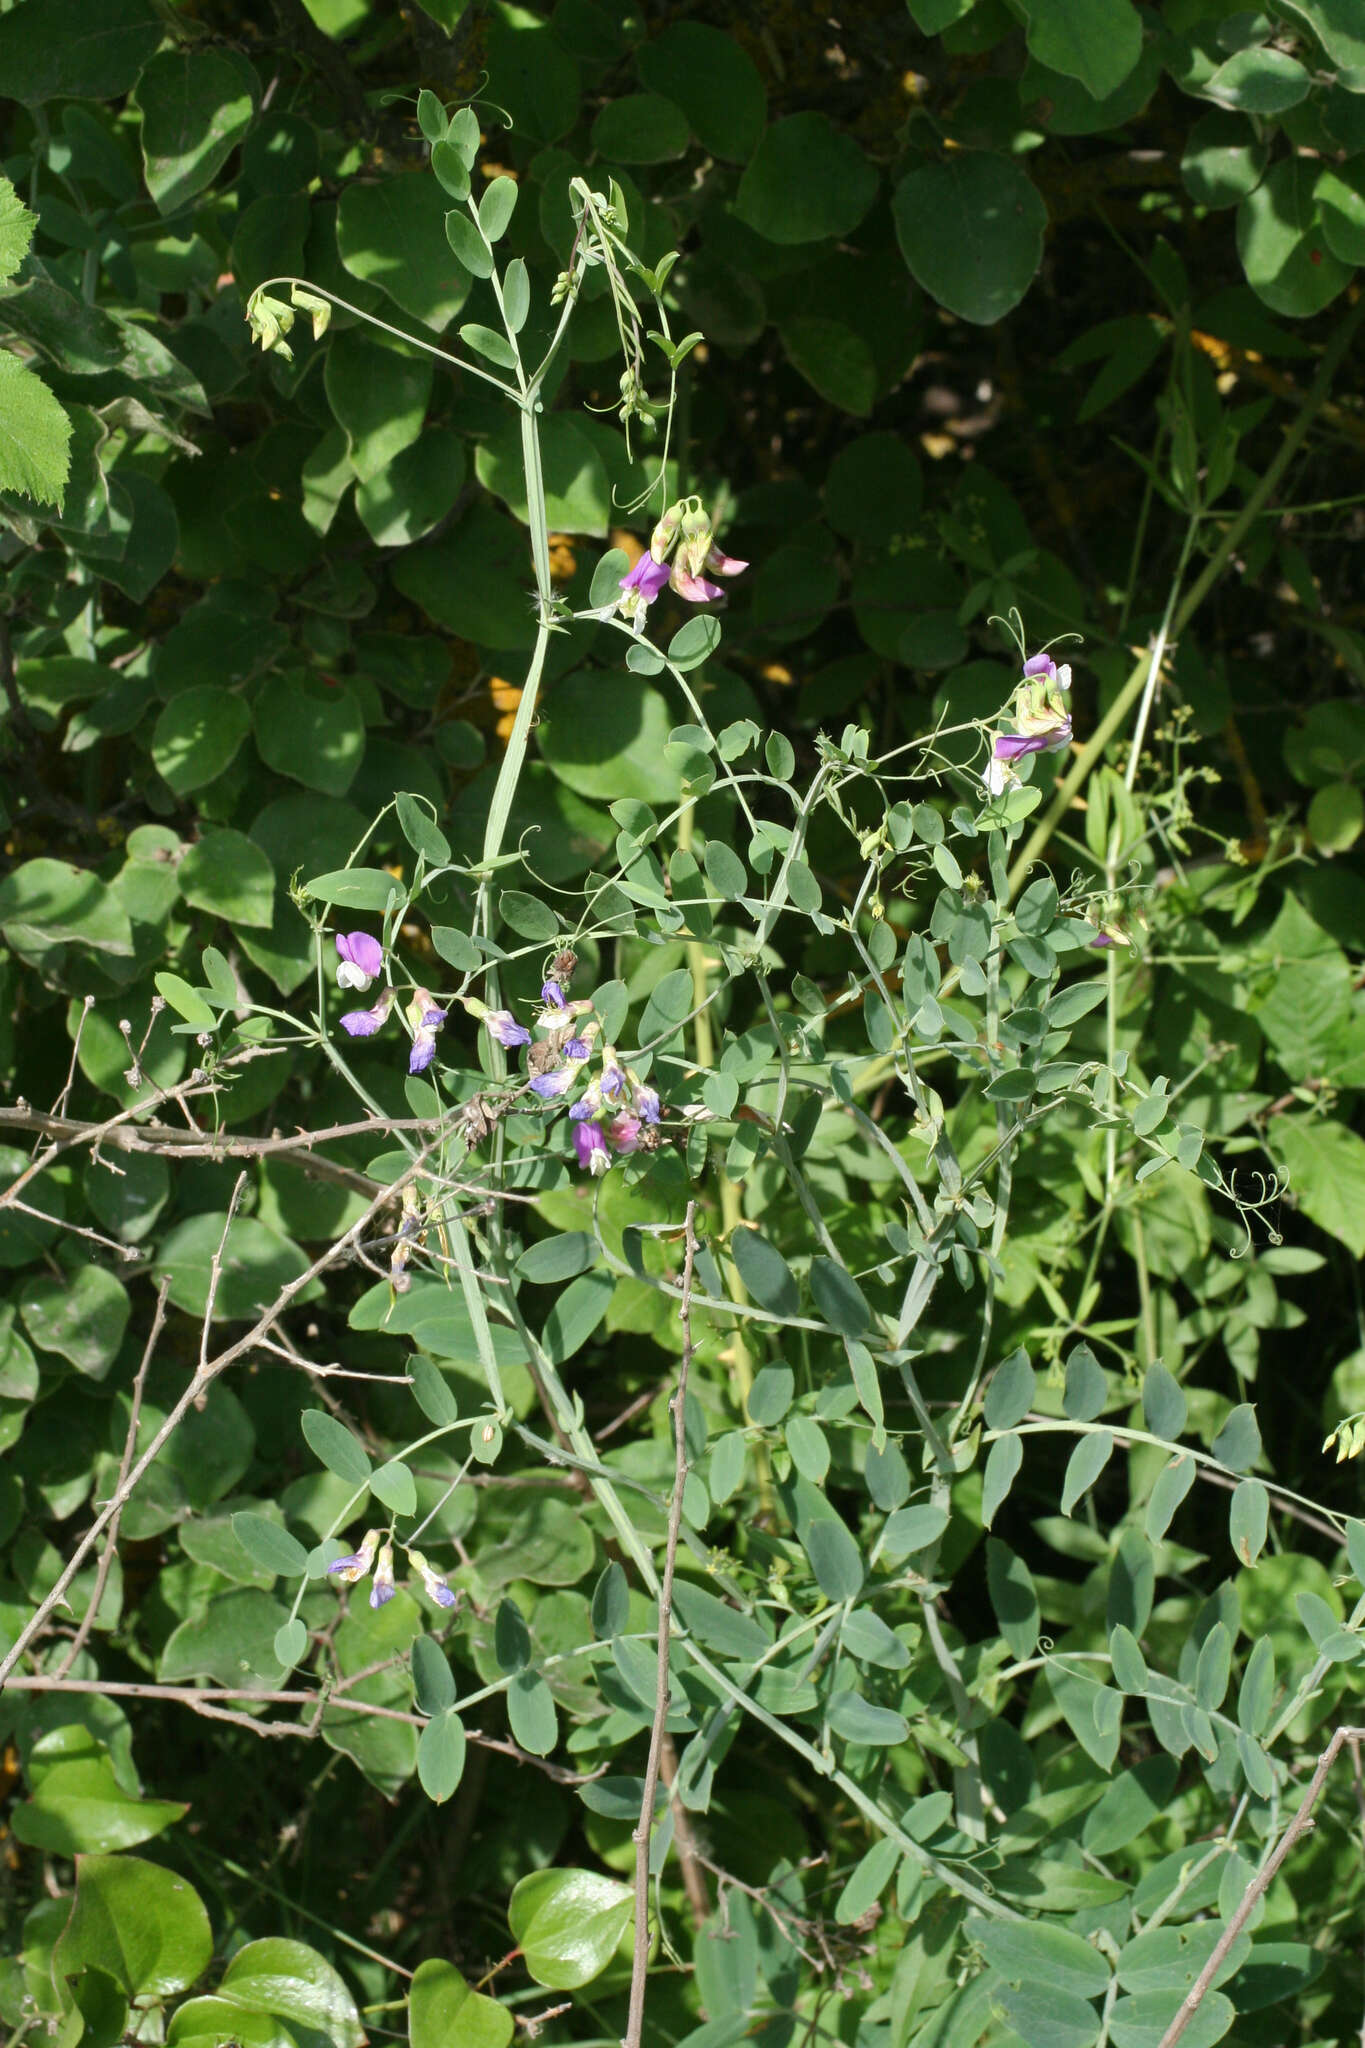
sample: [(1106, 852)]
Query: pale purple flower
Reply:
[(383, 1589), (503, 1026), (426, 1020), (624, 1133), (1044, 665), (646, 579), (576, 1049), (362, 959), (364, 1023), (423, 1051), (647, 1104), (695, 589), (352, 1568), (591, 1147), (1012, 746), (549, 1087), (552, 995), (433, 1580), (723, 565)]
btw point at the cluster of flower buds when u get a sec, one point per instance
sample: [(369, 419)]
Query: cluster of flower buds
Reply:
[(361, 960), (682, 545), (271, 319), (349, 1571), (1041, 717)]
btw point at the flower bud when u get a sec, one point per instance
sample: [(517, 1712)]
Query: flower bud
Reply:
[(666, 532)]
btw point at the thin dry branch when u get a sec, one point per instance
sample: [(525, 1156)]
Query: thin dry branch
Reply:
[(197, 1387), (208, 1702), (643, 1832), (1260, 1884)]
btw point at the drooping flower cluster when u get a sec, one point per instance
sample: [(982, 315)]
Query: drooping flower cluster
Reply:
[(616, 1114), (349, 1571), (682, 545), (361, 961), (1040, 716)]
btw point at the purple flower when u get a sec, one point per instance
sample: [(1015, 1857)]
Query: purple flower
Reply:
[(585, 1106), (552, 995), (503, 1026), (591, 1147), (364, 1023), (426, 1020), (647, 1104), (550, 1086), (613, 1081), (624, 1133), (362, 958), (1012, 746), (350, 1569), (383, 1589), (1044, 665), (423, 1052), (646, 579), (576, 1049), (723, 565), (695, 589), (434, 1582)]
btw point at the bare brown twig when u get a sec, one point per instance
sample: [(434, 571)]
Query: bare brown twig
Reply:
[(1260, 1884), (197, 1387), (209, 1702), (643, 1833)]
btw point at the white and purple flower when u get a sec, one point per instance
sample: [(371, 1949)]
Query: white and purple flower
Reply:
[(364, 1023), (361, 961), (426, 1020), (350, 1570), (590, 1144), (434, 1581), (685, 535), (1041, 718), (503, 1026), (383, 1589)]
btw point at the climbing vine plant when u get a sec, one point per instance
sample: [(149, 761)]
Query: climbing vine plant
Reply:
[(681, 710)]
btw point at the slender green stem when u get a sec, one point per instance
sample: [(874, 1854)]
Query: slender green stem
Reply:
[(1232, 537)]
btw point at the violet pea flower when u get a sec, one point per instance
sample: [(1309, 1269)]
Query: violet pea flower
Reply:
[(364, 1023), (549, 1087), (503, 1026), (591, 1147), (433, 1580), (427, 1021), (1012, 746), (695, 589), (1044, 665), (350, 1569), (362, 959), (646, 579), (383, 1589), (722, 564)]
